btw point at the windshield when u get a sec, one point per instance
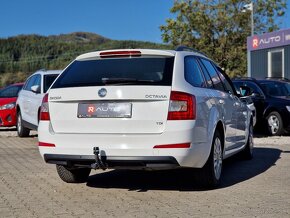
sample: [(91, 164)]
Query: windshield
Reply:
[(118, 71), (10, 91), (276, 88)]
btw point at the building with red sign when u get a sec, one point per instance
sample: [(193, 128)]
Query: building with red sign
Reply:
[(269, 55)]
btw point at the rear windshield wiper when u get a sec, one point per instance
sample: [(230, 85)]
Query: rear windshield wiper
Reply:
[(125, 81)]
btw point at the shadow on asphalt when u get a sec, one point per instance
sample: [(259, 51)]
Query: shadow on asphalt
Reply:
[(235, 171), (13, 129), (5, 129), (260, 134)]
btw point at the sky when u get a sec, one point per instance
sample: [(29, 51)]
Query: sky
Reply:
[(114, 19)]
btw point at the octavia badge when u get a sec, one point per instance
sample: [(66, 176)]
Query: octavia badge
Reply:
[(102, 92)]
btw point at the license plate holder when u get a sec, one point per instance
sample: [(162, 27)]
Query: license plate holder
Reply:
[(105, 110)]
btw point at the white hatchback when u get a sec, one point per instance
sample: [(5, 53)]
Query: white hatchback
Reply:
[(29, 100), (143, 109)]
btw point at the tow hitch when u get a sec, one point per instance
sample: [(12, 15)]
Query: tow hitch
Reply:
[(100, 160)]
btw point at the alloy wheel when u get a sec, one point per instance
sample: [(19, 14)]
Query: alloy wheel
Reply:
[(251, 139), (217, 156), (19, 123), (273, 123)]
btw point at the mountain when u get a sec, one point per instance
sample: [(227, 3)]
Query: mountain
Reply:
[(79, 37), (24, 54)]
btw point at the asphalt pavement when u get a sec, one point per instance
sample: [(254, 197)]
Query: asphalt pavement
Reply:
[(31, 188)]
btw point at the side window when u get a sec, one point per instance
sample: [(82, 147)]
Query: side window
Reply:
[(206, 76), (213, 74), (29, 83), (226, 81), (254, 88), (237, 86), (37, 80), (48, 80), (192, 72)]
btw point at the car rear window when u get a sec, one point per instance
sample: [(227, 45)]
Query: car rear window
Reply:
[(118, 71)]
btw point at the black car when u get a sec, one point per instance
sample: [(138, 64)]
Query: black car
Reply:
[(271, 98)]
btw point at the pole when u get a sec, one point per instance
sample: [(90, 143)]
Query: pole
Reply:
[(252, 33), (252, 19)]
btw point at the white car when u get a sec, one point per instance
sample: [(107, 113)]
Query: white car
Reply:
[(143, 109), (30, 98)]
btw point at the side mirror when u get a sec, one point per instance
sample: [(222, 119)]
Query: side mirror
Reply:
[(256, 95), (247, 100), (35, 89), (245, 91)]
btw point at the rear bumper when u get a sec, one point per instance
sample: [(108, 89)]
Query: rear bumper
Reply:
[(127, 150), (133, 162)]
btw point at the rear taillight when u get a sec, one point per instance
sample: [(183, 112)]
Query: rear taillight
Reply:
[(114, 54), (182, 106), (44, 111)]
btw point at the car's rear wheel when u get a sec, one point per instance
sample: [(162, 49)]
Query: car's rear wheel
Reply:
[(248, 151), (22, 131), (275, 123), (212, 170), (73, 175)]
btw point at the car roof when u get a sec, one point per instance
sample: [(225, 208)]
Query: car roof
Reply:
[(17, 84), (244, 79), (271, 81), (268, 79), (13, 84), (47, 72)]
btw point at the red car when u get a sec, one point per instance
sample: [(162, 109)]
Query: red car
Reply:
[(8, 97)]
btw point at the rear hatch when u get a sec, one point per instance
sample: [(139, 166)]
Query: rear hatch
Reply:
[(120, 92)]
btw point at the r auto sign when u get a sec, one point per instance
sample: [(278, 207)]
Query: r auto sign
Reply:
[(269, 40)]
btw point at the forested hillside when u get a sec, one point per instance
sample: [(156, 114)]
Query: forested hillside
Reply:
[(24, 54)]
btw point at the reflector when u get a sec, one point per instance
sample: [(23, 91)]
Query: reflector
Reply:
[(182, 145), (46, 144)]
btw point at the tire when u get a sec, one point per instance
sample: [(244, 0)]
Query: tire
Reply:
[(22, 131), (77, 175), (212, 170), (274, 124), (247, 153)]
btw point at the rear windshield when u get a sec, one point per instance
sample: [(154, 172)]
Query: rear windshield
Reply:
[(119, 71), (48, 80)]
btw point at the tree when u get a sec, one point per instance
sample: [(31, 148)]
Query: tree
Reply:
[(220, 28), (24, 54)]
